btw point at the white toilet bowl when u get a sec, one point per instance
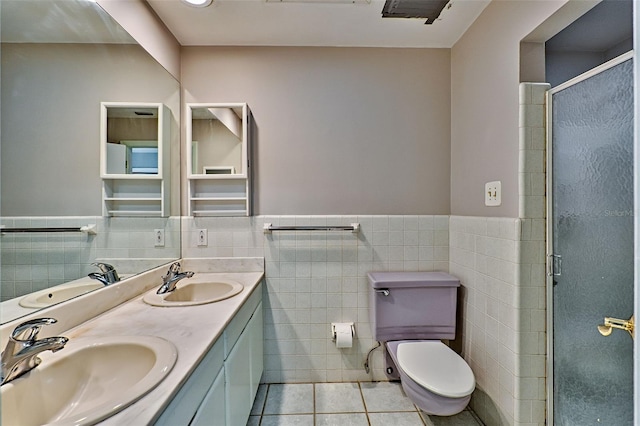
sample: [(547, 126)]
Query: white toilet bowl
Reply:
[(433, 376)]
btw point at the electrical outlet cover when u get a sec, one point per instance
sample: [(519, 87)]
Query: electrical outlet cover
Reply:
[(493, 193), (158, 237), (201, 237)]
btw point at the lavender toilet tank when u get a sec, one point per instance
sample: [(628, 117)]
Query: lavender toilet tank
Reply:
[(411, 312)]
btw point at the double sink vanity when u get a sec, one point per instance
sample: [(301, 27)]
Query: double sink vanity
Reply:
[(189, 356)]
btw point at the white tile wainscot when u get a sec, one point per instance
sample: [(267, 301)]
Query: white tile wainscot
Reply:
[(499, 263), (316, 278), (194, 330)]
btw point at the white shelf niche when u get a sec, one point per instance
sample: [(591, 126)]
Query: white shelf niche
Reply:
[(218, 167), (134, 159)]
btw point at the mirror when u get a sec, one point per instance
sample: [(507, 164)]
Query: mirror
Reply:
[(217, 140), (131, 140), (61, 60)]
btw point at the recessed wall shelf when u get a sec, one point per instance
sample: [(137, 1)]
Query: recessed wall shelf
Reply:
[(218, 169)]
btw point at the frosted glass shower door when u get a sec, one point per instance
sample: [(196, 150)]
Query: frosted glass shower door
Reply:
[(591, 236)]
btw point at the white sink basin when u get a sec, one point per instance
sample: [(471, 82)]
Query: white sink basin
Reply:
[(53, 295), (196, 293), (87, 381)]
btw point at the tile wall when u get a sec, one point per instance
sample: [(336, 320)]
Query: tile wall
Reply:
[(34, 261), (504, 318), (501, 264), (316, 278)]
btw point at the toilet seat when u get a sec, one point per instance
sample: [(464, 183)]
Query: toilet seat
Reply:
[(436, 367)]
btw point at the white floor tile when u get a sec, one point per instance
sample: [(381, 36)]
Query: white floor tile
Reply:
[(464, 418), (343, 419), (341, 404), (338, 398), (288, 420), (289, 399), (395, 419), (385, 396)]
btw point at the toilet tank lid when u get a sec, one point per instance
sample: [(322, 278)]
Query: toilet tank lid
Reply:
[(412, 279)]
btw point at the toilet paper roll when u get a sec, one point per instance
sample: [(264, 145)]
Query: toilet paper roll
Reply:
[(344, 335)]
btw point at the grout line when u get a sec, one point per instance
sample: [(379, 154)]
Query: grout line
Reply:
[(366, 410), (419, 411), (264, 404)]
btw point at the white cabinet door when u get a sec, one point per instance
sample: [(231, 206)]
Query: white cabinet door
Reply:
[(186, 403), (212, 412), (254, 328), (238, 381), (116, 159)]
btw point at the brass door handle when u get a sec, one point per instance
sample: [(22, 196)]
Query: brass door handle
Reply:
[(611, 323)]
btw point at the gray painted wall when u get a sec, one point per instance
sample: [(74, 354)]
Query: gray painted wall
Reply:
[(51, 96), (484, 105), (338, 130)]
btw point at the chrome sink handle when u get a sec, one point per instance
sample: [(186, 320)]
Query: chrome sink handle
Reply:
[(170, 280), (21, 353), (104, 267), (28, 331), (108, 276)]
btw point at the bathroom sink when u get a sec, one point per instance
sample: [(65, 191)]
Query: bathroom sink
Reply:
[(51, 296), (197, 293), (87, 381)]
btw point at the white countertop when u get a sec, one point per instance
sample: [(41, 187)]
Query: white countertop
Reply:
[(192, 329), (11, 309), (119, 310)]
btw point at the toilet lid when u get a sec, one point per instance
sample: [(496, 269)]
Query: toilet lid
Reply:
[(437, 368)]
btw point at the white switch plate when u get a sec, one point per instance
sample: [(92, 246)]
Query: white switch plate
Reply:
[(493, 193), (158, 237), (202, 238)]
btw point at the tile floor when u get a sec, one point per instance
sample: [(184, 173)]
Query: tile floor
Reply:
[(344, 404)]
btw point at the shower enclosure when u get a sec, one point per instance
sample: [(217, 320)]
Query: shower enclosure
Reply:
[(590, 246)]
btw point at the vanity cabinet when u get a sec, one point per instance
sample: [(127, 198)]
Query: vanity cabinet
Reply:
[(213, 411), (218, 160), (134, 159), (222, 388), (244, 369)]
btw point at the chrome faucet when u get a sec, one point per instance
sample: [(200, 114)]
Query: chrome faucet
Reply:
[(108, 275), (170, 280), (20, 354)]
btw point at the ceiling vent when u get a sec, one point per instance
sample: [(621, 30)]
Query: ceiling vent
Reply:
[(419, 9)]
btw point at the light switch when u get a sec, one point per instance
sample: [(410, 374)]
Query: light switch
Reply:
[(493, 193)]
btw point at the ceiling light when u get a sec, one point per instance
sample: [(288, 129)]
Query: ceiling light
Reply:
[(198, 3)]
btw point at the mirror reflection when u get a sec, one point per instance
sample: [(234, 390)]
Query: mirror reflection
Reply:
[(132, 141), (216, 140), (61, 59), (217, 147)]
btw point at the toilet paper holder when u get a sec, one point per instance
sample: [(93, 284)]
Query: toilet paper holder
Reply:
[(334, 332)]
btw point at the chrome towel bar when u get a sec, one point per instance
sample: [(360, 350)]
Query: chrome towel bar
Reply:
[(354, 227), (89, 229)]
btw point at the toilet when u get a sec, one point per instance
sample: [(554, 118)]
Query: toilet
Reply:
[(410, 314)]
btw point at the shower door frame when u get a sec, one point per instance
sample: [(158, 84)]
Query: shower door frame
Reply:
[(549, 260)]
